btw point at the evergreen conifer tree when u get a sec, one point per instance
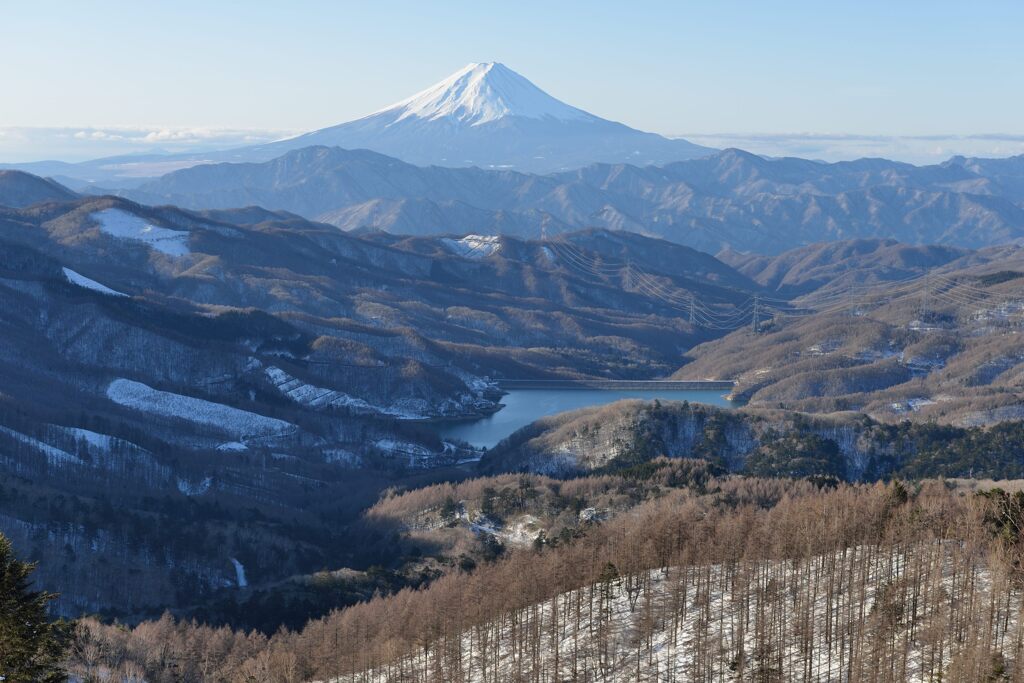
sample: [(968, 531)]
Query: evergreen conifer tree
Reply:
[(32, 648)]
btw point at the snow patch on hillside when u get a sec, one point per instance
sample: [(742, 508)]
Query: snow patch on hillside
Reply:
[(319, 397), (82, 281), (138, 396), (473, 246), (124, 225)]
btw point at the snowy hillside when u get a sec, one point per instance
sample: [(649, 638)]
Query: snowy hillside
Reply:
[(757, 621), (241, 423)]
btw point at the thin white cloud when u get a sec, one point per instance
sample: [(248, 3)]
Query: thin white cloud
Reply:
[(97, 135), (917, 149), (20, 144)]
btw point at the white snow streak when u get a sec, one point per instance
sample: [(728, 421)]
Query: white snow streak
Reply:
[(82, 281), (239, 573)]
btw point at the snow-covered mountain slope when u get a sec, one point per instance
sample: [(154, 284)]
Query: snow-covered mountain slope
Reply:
[(481, 93), (490, 116)]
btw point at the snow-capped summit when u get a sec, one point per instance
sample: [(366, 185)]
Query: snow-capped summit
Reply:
[(480, 93), (487, 115)]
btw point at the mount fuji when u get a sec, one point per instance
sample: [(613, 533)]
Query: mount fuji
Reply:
[(483, 115), (487, 115)]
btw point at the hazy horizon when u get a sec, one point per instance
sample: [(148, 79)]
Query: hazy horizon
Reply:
[(73, 144)]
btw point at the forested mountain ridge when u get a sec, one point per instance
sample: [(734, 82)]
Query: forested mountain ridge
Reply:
[(730, 199), (19, 189), (848, 446), (147, 448), (836, 266), (893, 331), (480, 292)]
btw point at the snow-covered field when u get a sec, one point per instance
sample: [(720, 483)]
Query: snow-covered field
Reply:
[(473, 246), (241, 423), (82, 281), (124, 225)]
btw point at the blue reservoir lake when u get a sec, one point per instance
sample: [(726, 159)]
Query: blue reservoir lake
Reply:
[(523, 406)]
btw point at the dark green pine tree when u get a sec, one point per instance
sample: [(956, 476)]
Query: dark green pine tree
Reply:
[(32, 648)]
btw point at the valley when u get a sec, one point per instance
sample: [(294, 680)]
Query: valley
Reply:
[(482, 387), (246, 358)]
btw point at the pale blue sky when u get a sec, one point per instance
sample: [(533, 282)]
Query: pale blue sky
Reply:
[(909, 68)]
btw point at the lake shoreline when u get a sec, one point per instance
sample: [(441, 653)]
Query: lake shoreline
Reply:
[(520, 407)]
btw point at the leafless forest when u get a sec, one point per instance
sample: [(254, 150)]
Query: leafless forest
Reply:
[(760, 580)]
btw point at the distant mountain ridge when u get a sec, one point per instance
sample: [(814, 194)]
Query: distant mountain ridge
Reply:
[(19, 189), (729, 200)]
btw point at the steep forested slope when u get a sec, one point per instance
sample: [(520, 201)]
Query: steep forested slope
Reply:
[(840, 446), (925, 343), (744, 579)]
